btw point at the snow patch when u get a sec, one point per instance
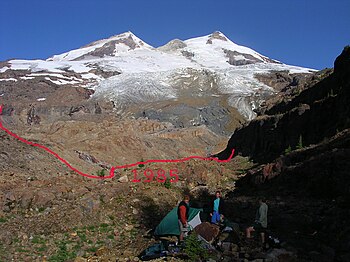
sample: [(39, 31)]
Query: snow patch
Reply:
[(62, 82), (27, 77), (91, 76), (3, 69), (56, 75), (41, 99), (9, 79)]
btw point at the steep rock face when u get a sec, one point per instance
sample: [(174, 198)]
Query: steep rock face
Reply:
[(317, 113), (289, 86), (342, 62), (308, 193), (319, 171), (109, 48), (308, 189)]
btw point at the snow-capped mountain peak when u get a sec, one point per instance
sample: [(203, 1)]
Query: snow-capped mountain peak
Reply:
[(111, 46), (126, 53), (217, 35), (214, 51), (123, 68), (224, 50)]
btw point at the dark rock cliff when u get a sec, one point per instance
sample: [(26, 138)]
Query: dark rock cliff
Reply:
[(308, 189), (318, 113)]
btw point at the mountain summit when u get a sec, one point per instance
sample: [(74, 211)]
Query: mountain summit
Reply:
[(128, 53), (205, 49), (112, 46), (201, 72)]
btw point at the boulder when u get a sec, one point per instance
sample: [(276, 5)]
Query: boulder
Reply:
[(90, 205), (123, 179), (208, 231), (43, 199), (26, 200), (9, 201)]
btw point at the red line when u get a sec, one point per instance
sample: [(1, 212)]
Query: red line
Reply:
[(111, 173)]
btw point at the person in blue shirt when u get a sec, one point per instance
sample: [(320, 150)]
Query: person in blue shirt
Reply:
[(217, 208)]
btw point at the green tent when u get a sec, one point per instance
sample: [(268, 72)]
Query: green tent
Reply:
[(169, 225)]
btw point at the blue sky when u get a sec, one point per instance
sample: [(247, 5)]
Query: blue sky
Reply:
[(307, 33)]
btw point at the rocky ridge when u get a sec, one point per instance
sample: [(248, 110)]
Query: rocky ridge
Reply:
[(317, 113), (301, 150)]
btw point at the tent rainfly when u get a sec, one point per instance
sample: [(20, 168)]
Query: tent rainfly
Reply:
[(169, 224)]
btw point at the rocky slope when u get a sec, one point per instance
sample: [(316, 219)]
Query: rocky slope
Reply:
[(302, 149), (49, 213), (317, 113)]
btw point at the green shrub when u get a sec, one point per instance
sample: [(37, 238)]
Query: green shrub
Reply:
[(42, 248), (141, 165), (167, 183), (101, 173), (288, 150), (194, 249), (38, 240), (92, 249), (82, 236), (62, 253), (300, 143)]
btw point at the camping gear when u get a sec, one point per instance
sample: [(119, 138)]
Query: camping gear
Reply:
[(273, 242), (161, 250), (169, 224), (157, 250), (208, 231)]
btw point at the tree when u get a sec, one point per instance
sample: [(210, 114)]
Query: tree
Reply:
[(300, 143)]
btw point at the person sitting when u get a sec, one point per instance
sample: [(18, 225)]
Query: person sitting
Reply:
[(217, 208), (260, 224)]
